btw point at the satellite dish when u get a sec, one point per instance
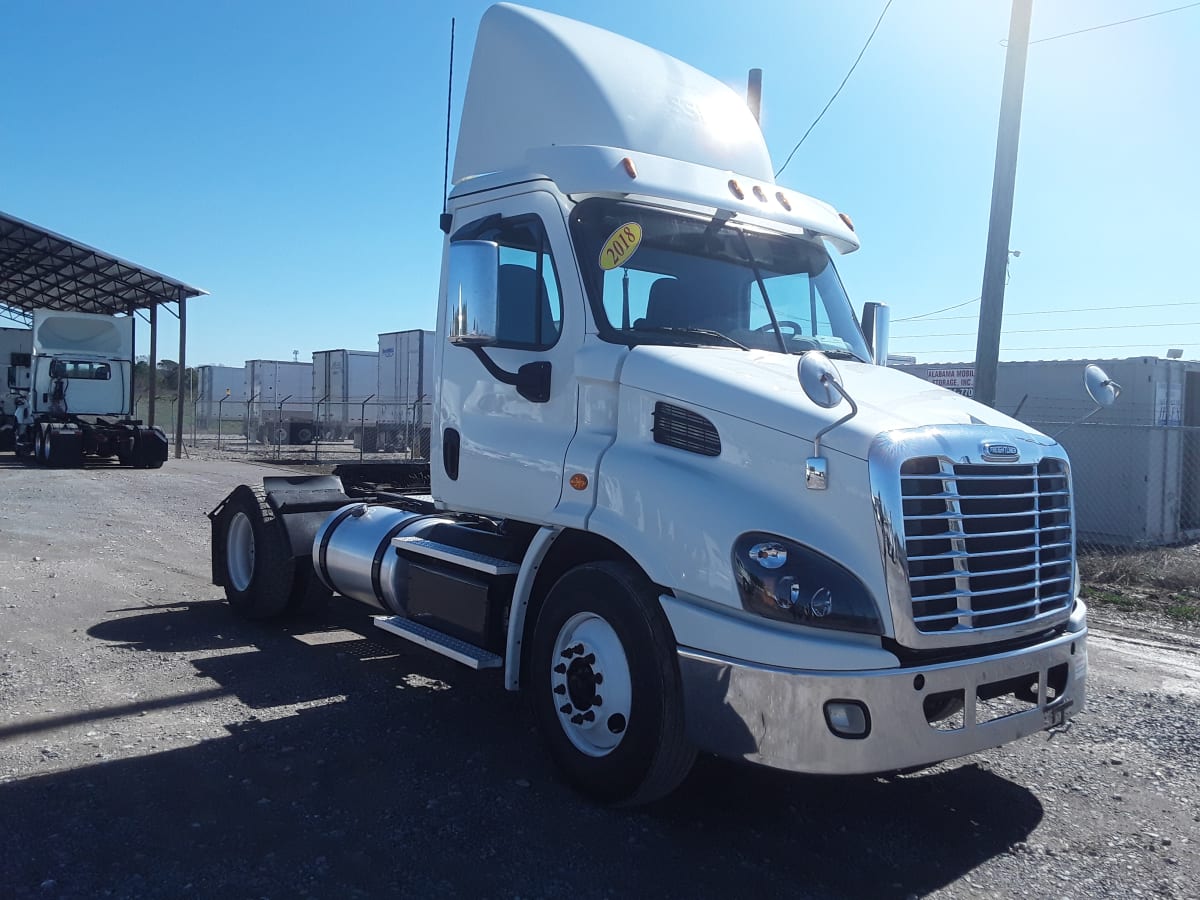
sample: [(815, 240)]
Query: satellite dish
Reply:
[(1100, 387), (818, 377)]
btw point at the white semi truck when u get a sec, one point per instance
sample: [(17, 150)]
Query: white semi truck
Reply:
[(674, 496), (74, 401)]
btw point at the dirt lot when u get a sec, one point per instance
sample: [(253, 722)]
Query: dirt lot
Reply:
[(151, 745)]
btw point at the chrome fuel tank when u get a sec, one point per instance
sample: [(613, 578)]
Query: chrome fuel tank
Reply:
[(353, 555)]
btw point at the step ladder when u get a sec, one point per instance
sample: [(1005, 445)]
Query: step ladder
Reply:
[(439, 642)]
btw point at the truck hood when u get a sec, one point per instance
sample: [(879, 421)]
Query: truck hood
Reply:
[(763, 388)]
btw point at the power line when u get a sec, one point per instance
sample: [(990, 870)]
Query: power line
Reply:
[(1113, 24), (1060, 330), (1047, 312), (936, 311), (1059, 347), (838, 91)]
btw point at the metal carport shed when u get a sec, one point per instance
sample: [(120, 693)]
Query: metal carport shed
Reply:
[(40, 269)]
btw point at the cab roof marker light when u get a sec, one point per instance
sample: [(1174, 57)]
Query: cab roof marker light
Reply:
[(630, 168), (783, 200), (845, 218), (736, 189), (760, 194)]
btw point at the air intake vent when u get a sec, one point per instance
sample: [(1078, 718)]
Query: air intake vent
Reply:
[(988, 545), (685, 430)]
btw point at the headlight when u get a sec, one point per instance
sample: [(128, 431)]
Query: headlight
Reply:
[(783, 580)]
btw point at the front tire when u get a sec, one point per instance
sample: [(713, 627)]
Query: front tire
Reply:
[(605, 686)]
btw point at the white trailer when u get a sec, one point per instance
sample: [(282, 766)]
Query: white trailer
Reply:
[(280, 408), (674, 494), (221, 394), (403, 393), (342, 380)]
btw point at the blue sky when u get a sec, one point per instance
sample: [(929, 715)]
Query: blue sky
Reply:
[(287, 157)]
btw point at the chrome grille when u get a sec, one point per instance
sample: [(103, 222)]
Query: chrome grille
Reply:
[(988, 545)]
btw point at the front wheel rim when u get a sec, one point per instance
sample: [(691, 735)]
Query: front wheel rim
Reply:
[(239, 552), (590, 684)]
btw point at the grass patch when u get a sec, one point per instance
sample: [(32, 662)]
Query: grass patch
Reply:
[(1113, 598), (1184, 608)]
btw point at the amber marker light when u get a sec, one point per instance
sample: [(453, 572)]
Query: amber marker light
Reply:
[(760, 194), (579, 482), (630, 168), (845, 218), (736, 190), (783, 200)]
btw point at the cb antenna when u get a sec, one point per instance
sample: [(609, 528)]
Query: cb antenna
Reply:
[(446, 218)]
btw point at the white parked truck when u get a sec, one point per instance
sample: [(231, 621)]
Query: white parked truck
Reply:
[(673, 495), (77, 402)]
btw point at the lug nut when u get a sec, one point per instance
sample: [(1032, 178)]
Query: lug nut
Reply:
[(588, 716), (565, 708), (597, 700), (598, 678), (590, 659), (576, 719), (560, 669), (560, 689)]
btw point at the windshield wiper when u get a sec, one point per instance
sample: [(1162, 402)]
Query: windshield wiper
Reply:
[(704, 332), (842, 354), (762, 287)]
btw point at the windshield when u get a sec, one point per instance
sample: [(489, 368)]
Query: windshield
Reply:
[(659, 276)]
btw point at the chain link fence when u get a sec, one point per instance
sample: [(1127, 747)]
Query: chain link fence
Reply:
[(306, 431)]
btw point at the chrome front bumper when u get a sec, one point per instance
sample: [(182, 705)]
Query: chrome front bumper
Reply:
[(776, 716)]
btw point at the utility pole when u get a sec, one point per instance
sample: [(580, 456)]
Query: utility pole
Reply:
[(991, 308)]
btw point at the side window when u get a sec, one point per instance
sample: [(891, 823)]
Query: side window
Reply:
[(529, 306)]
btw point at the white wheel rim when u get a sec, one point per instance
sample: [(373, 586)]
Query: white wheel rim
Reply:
[(239, 552), (590, 684)]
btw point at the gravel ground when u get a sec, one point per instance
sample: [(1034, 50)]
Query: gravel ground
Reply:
[(151, 745)]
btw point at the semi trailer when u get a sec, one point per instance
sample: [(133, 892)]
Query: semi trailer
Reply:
[(342, 380), (74, 399), (279, 401), (675, 495)]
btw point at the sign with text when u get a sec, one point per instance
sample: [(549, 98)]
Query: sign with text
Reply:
[(960, 379)]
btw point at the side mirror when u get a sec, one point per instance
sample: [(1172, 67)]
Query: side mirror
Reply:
[(472, 291), (876, 323)]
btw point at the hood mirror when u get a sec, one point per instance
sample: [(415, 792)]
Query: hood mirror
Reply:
[(818, 377), (1102, 389), (821, 383)]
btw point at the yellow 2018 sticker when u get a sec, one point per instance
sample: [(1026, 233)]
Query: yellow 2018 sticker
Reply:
[(620, 246)]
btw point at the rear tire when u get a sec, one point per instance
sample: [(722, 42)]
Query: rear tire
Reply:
[(605, 687), (259, 572)]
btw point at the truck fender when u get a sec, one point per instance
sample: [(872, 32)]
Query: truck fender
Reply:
[(538, 548)]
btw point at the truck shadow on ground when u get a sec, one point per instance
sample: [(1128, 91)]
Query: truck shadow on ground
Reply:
[(363, 768)]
